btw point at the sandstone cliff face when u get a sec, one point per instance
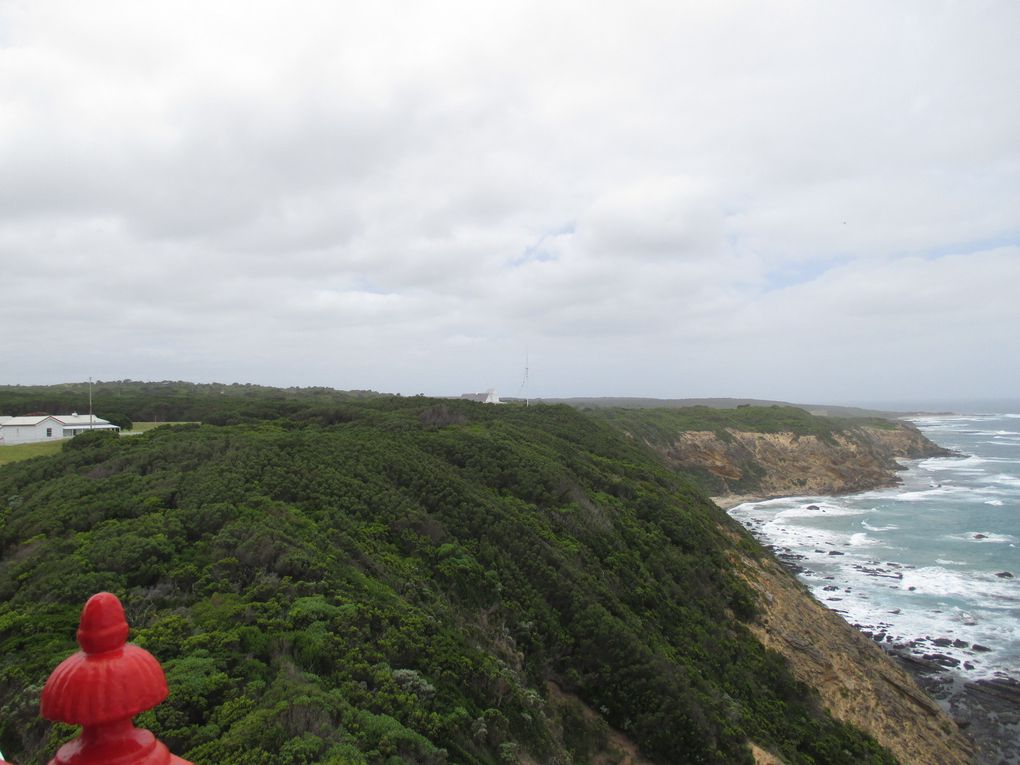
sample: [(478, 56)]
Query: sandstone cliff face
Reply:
[(778, 464), (856, 681)]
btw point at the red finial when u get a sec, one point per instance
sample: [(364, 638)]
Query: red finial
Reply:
[(101, 688)]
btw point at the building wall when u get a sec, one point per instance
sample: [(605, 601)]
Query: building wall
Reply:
[(26, 434)]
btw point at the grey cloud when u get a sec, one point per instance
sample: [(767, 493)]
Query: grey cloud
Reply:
[(406, 197)]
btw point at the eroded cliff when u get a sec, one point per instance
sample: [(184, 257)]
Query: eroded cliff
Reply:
[(779, 464), (855, 679)]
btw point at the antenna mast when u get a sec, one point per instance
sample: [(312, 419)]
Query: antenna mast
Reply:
[(524, 382)]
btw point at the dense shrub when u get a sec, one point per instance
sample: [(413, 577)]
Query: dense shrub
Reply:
[(397, 580)]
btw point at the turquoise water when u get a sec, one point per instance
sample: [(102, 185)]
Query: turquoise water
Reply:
[(935, 559)]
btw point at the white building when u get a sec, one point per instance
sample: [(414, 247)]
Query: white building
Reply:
[(489, 397), (46, 427)]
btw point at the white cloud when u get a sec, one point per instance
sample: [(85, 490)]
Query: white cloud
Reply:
[(655, 198)]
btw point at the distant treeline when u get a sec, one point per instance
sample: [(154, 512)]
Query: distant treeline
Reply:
[(172, 401)]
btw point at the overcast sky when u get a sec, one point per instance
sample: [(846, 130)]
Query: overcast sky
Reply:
[(810, 201)]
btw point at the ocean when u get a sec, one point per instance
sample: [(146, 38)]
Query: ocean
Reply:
[(931, 566)]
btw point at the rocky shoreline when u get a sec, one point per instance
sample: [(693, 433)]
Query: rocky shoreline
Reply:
[(856, 680), (987, 710)]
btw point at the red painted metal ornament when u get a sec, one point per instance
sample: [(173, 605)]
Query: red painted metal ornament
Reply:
[(102, 687)]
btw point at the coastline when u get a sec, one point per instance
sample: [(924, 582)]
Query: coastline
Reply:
[(729, 501), (986, 711)]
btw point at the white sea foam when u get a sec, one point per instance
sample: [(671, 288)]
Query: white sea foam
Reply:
[(933, 421), (944, 562), (861, 539), (869, 527), (1002, 478), (780, 502), (994, 502), (986, 590), (953, 463), (803, 538), (818, 510), (989, 537), (928, 494)]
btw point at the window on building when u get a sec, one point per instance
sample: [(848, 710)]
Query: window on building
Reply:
[(49, 432)]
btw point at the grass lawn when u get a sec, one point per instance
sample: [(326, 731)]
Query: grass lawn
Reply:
[(18, 452)]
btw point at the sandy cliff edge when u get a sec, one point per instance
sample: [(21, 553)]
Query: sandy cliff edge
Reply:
[(857, 682)]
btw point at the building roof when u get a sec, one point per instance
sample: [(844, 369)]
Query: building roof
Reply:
[(63, 419), (27, 420), (80, 419)]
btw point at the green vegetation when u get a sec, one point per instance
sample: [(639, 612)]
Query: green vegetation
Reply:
[(363, 579), (145, 427), (656, 425), (171, 401)]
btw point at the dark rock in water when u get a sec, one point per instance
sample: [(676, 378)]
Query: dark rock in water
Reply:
[(881, 572), (989, 708), (981, 648), (812, 507), (1004, 689), (959, 643), (1004, 575), (830, 588), (942, 659), (918, 665), (980, 536), (836, 552), (911, 588), (942, 642)]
